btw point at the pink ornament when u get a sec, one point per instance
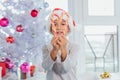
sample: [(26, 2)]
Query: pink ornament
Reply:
[(4, 22), (25, 67), (34, 13), (19, 28), (9, 65)]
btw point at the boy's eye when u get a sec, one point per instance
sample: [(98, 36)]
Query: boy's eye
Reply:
[(55, 24), (63, 24)]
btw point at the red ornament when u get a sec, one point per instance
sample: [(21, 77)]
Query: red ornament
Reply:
[(4, 22), (34, 13), (10, 39), (19, 28)]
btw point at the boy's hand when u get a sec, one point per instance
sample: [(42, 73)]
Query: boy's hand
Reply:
[(62, 41), (54, 43), (55, 49)]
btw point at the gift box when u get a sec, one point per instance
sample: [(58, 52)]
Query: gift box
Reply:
[(23, 75), (25, 68), (3, 65), (0, 73), (32, 70)]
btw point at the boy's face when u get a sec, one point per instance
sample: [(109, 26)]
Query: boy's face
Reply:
[(59, 28)]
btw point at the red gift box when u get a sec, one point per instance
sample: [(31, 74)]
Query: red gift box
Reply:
[(32, 70), (2, 64)]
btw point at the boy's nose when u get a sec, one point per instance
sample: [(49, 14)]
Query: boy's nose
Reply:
[(59, 26)]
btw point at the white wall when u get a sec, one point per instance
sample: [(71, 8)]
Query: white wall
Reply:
[(75, 8)]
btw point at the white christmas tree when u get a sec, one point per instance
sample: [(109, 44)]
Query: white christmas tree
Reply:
[(22, 30)]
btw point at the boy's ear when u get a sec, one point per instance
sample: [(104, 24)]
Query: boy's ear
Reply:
[(68, 28), (51, 28)]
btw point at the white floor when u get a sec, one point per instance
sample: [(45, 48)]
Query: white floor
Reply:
[(82, 76)]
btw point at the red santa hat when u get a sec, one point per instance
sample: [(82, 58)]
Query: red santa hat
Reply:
[(60, 14)]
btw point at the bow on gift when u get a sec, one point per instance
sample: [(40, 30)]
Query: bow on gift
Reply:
[(9, 63), (25, 67)]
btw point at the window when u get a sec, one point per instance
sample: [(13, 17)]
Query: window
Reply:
[(101, 7), (100, 24), (101, 48)]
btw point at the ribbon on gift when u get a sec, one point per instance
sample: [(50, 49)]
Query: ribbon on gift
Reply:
[(9, 63), (2, 64)]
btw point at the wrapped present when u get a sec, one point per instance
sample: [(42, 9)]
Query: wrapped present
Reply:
[(25, 68), (3, 65), (105, 75), (0, 73), (23, 75), (32, 70)]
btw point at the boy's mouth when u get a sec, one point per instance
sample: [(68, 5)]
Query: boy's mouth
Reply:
[(59, 33)]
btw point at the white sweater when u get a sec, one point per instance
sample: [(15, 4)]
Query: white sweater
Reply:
[(57, 70)]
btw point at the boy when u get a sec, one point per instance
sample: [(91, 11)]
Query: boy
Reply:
[(60, 57)]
